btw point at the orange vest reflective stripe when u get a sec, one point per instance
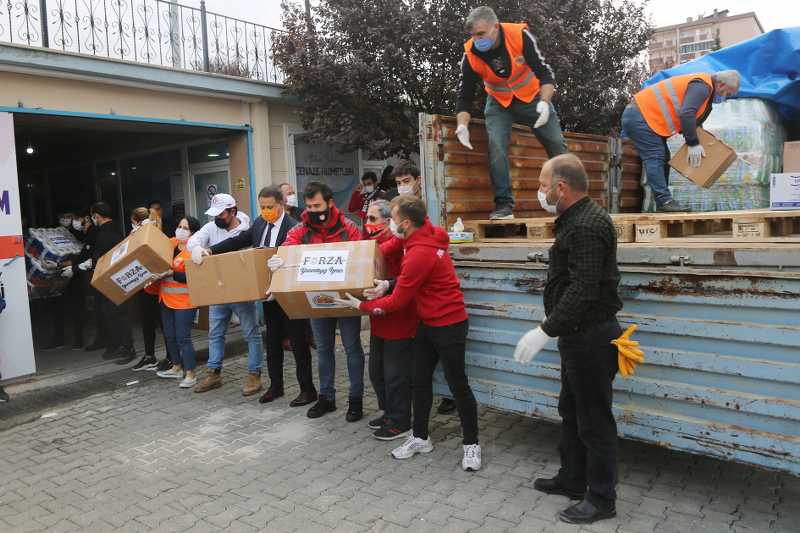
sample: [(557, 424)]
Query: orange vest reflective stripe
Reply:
[(661, 103), (522, 83), (175, 295)]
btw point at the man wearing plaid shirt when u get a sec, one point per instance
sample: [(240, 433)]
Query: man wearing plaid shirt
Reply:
[(580, 303)]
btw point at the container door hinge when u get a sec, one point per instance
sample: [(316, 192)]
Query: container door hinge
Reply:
[(681, 260)]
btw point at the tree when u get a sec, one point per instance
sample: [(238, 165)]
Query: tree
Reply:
[(369, 66)]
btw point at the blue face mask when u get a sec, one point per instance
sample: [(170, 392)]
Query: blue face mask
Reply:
[(484, 44)]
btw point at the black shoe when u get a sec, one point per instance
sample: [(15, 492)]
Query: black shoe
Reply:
[(378, 423), (446, 406), (304, 398), (321, 408), (391, 432), (502, 212), (585, 513), (110, 353), (147, 362), (162, 365), (77, 346), (96, 345), (3, 396), (673, 207), (272, 394), (552, 486), (355, 410), (126, 355)]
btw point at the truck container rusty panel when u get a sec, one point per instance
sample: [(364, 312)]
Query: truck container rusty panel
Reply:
[(722, 370)]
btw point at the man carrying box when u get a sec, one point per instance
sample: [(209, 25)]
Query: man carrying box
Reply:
[(428, 278), (322, 223), (269, 231), (227, 223)]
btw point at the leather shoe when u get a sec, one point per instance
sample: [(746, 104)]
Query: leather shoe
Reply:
[(321, 408), (304, 398), (552, 486), (585, 512), (272, 394)]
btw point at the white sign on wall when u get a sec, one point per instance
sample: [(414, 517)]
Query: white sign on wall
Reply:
[(16, 358), (323, 265)]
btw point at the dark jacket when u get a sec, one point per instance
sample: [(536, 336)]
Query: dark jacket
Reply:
[(107, 237), (253, 235)]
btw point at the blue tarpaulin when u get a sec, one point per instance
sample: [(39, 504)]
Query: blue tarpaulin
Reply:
[(769, 65)]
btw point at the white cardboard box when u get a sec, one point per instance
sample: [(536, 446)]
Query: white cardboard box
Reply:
[(784, 191)]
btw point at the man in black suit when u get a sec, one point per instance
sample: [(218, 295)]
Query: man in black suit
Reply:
[(269, 231)]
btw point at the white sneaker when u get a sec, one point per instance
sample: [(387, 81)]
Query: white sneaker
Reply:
[(472, 458), (411, 447), (187, 383), (170, 374)]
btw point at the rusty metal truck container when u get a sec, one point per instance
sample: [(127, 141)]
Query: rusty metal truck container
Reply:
[(719, 323)]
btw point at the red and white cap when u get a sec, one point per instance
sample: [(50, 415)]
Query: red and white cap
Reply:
[(219, 203)]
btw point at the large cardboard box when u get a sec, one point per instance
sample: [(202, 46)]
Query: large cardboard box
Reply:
[(313, 275), (719, 157), (229, 278), (791, 156), (128, 267), (784, 191)]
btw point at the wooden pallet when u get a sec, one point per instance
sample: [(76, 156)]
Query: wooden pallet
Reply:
[(722, 226), (534, 229)]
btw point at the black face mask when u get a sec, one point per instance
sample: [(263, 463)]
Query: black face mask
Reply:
[(221, 223), (319, 218)]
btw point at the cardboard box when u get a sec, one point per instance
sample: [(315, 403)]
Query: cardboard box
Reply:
[(784, 191), (719, 157), (229, 278), (127, 268), (313, 275), (791, 156)]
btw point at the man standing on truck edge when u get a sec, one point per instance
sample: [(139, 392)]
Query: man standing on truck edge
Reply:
[(580, 305), (676, 105), (519, 86)]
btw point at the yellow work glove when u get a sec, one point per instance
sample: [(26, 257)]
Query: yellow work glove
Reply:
[(629, 353)]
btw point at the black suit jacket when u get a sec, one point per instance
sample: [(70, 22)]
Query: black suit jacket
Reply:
[(253, 235)]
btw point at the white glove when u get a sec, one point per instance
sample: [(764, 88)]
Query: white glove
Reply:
[(348, 301), (530, 344), (274, 263), (695, 155), (270, 296), (198, 253), (462, 132), (543, 108), (67, 272), (86, 265), (381, 286)]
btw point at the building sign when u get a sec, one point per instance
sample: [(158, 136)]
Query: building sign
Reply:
[(327, 164)]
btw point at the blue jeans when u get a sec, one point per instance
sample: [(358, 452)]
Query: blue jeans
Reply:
[(325, 336), (499, 120), (178, 335), (218, 318), (652, 149)]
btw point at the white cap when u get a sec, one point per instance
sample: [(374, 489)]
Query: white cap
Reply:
[(219, 203)]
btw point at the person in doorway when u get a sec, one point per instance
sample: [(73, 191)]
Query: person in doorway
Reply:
[(322, 222), (227, 223), (367, 191), (519, 86), (676, 105), (428, 279), (391, 342), (270, 231), (387, 183), (290, 200), (581, 301), (115, 319), (61, 306), (177, 311), (149, 309)]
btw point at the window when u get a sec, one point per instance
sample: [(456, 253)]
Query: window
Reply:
[(696, 47)]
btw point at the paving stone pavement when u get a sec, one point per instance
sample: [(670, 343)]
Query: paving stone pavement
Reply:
[(151, 457)]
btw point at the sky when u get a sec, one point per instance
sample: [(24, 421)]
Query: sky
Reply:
[(772, 13)]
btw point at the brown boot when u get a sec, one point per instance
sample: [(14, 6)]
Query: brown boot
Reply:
[(213, 380), (252, 384)]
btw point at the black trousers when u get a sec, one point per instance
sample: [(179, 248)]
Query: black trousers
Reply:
[(588, 430), (69, 304), (448, 345), (278, 327), (115, 322), (390, 368), (150, 316)]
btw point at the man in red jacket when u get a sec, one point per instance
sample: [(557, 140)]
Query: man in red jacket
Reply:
[(391, 342), (428, 278), (322, 222)]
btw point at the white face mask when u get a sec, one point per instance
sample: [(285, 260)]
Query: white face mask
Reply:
[(182, 234), (77, 225), (291, 200), (552, 209), (369, 189), (395, 229), (65, 222), (405, 189)]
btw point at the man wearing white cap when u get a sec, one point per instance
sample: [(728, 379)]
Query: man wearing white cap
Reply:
[(227, 223)]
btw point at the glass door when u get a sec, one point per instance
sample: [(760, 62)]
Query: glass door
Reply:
[(207, 183)]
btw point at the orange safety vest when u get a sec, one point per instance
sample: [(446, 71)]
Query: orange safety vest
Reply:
[(173, 294), (660, 104), (522, 83)]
